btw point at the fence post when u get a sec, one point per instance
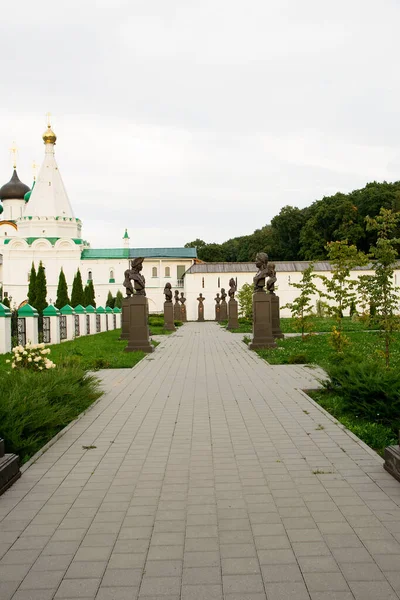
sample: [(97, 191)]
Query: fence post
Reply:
[(91, 316), (118, 317), (110, 318), (28, 330), (51, 333), (5, 329), (103, 323), (68, 312), (81, 312)]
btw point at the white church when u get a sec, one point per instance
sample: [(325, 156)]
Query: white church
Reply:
[(39, 224)]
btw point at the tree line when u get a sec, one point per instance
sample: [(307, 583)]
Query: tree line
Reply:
[(303, 234)]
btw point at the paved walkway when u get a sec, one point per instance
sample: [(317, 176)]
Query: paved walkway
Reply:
[(210, 476)]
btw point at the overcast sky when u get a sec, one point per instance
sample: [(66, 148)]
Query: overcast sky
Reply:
[(181, 119)]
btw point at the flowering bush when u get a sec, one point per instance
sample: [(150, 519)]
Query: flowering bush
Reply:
[(31, 356)]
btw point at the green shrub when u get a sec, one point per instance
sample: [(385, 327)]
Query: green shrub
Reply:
[(297, 359), (368, 389), (35, 406)]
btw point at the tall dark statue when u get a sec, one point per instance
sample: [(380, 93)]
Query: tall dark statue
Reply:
[(262, 273), (223, 313), (200, 307), (133, 274), (177, 306), (217, 299), (217, 307), (168, 309), (223, 294), (232, 288), (271, 278), (168, 292), (182, 300)]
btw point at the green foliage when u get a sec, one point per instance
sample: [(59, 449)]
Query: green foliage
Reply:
[(40, 289), (32, 357), (62, 291), (6, 302), (383, 292), (89, 294), (245, 299), (301, 307), (286, 229), (367, 390), (34, 406), (77, 295), (118, 299), (32, 286), (110, 300), (297, 359)]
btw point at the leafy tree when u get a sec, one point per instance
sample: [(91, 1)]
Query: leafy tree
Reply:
[(6, 302), (118, 299), (89, 294), (32, 286), (40, 289), (286, 229), (302, 306), (245, 299), (385, 293), (340, 290), (110, 300), (62, 291), (77, 295), (197, 243)]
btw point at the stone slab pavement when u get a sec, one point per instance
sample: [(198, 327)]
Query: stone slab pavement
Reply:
[(211, 476)]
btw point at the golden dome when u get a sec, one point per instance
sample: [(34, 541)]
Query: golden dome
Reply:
[(49, 137)]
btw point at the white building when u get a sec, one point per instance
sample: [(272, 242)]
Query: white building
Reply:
[(40, 225)]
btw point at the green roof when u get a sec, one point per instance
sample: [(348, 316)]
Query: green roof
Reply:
[(112, 253), (126, 236), (27, 311), (51, 311)]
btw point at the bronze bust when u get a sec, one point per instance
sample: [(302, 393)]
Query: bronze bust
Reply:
[(133, 274), (168, 292), (271, 278), (232, 288), (259, 277)]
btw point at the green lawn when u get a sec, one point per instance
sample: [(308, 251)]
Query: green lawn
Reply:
[(319, 324)]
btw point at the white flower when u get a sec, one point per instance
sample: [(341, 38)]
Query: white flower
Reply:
[(40, 368), (37, 359), (13, 365), (29, 359), (7, 361), (18, 359), (24, 353)]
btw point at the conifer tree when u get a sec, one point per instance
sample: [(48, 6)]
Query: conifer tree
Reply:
[(77, 296), (6, 302), (302, 306), (32, 286), (89, 294), (62, 291), (40, 289), (110, 300), (118, 299)]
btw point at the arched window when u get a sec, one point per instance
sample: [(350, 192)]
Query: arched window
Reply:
[(154, 272), (90, 276), (112, 278), (167, 272), (219, 282), (202, 282)]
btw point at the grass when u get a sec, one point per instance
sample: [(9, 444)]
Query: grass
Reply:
[(35, 406), (156, 324), (375, 435), (319, 325), (316, 349)]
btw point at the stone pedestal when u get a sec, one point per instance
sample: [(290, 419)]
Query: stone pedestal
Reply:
[(223, 312), (169, 316), (9, 468), (217, 312), (262, 322), (276, 319), (200, 312), (125, 320), (392, 460), (177, 311), (183, 316), (233, 322), (138, 324)]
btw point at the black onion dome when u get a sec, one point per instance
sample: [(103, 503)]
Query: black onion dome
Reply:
[(14, 189)]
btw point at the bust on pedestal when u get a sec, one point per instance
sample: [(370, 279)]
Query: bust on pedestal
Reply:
[(177, 306), (262, 307), (200, 316), (223, 313), (217, 307), (137, 309), (168, 309), (233, 322), (183, 316)]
